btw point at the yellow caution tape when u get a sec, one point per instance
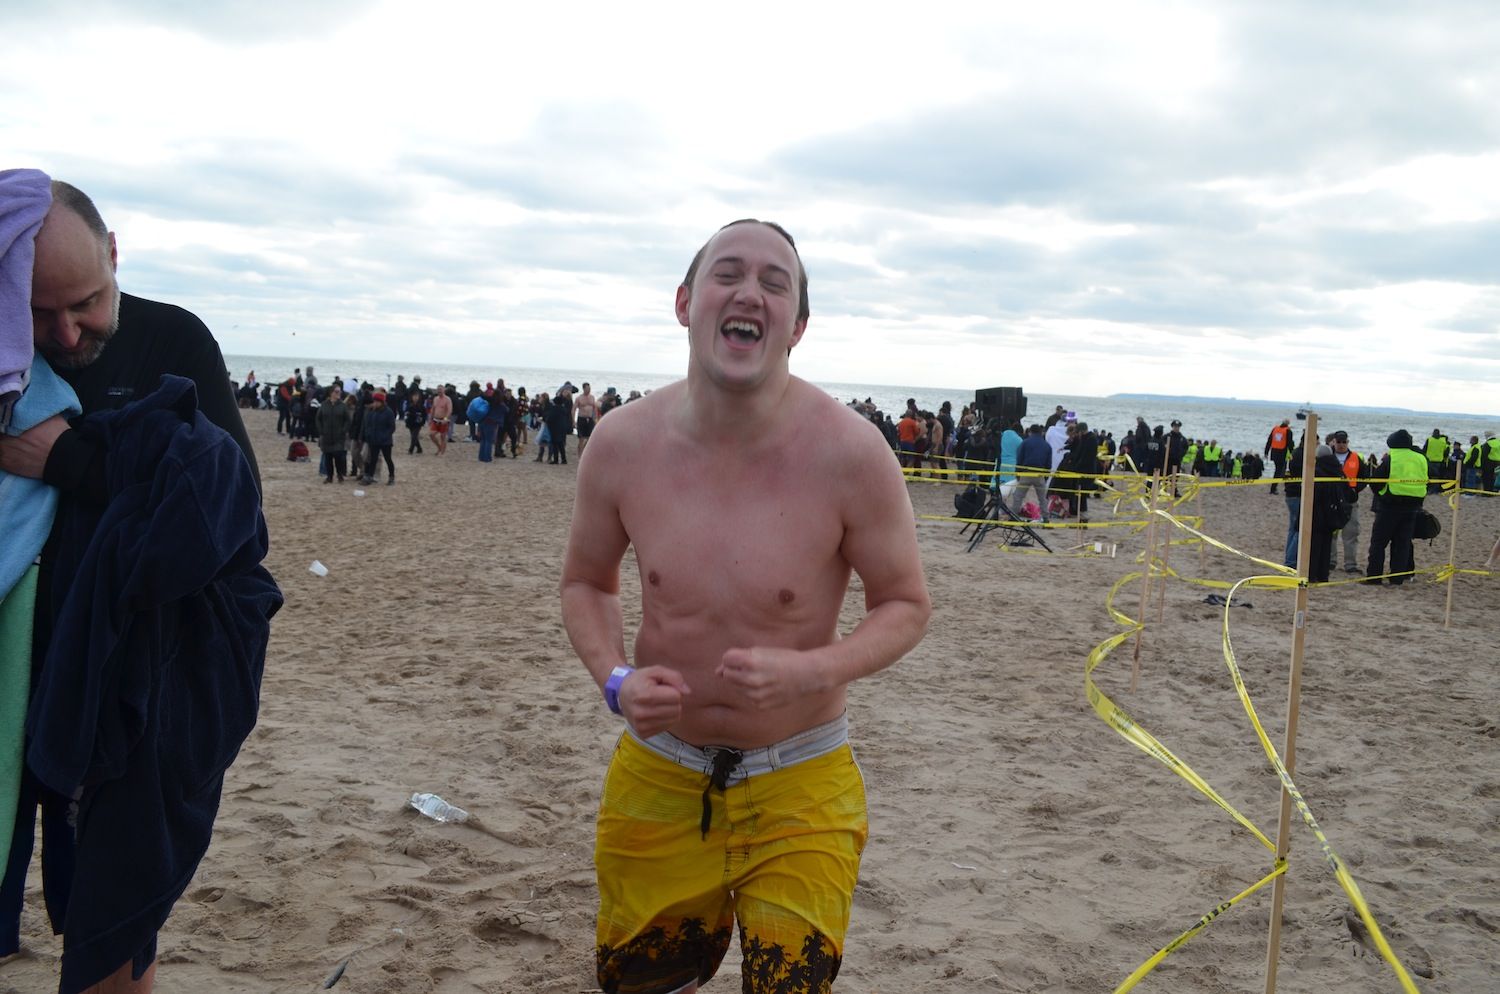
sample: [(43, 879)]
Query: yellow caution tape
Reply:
[(1028, 523), (1117, 718), (1331, 858), (1126, 726), (1140, 972), (1178, 522)]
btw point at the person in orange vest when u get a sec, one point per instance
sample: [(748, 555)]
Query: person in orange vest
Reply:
[(1278, 444), (1356, 473), (908, 430)]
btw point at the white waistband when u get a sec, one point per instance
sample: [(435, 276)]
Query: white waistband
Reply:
[(817, 741)]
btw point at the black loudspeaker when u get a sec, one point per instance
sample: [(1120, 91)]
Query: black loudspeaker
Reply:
[(1005, 403)]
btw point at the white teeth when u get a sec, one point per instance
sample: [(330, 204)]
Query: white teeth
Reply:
[(743, 329)]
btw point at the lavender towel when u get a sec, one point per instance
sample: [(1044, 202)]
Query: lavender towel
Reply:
[(25, 196)]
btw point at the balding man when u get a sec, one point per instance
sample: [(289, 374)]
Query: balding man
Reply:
[(111, 347), (151, 613)]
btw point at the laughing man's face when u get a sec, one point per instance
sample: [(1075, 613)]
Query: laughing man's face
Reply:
[(741, 310)]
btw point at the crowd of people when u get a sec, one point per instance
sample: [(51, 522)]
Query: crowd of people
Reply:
[(1397, 482), (1048, 470), (355, 424), (1045, 471)]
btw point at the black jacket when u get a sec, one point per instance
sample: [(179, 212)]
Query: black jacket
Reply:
[(150, 665), (379, 426), (152, 339), (559, 418), (1329, 495)]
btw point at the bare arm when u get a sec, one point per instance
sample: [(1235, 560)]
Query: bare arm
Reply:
[(651, 698), (26, 454), (591, 571)]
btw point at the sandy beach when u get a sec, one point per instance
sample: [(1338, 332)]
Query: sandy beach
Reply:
[(1018, 844)]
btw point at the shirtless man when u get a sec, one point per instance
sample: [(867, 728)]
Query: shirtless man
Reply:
[(585, 416), (749, 496), (442, 418)]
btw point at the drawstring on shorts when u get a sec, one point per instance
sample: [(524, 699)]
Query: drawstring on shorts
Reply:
[(725, 761)]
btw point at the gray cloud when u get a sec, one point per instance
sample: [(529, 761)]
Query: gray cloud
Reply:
[(235, 21), (1239, 217)]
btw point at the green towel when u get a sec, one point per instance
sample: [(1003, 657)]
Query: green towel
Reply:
[(15, 686)]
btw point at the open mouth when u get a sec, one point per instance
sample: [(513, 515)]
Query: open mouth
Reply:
[(741, 332)]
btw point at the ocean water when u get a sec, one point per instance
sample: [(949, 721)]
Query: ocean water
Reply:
[(1238, 425)]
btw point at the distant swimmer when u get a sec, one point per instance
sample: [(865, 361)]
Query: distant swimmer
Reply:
[(585, 417), (442, 420)]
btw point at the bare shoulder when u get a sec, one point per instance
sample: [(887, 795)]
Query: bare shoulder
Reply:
[(629, 421), (627, 431), (846, 437)]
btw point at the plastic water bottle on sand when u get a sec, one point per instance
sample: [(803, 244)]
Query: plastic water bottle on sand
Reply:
[(438, 809)]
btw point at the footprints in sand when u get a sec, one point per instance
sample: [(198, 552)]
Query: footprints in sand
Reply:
[(1350, 932), (518, 928), (225, 901), (1463, 916)]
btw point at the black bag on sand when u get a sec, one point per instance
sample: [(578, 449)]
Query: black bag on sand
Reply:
[(969, 502)]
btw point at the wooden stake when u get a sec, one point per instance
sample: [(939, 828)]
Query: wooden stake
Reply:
[(1135, 667), (1166, 560), (1294, 691), (1452, 556), (1202, 527)]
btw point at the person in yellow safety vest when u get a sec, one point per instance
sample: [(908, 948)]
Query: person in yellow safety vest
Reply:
[(1398, 502), (1237, 468), (1212, 455), (1278, 444), (1190, 457), (1437, 459), (1469, 475), (1489, 461), (1353, 469)]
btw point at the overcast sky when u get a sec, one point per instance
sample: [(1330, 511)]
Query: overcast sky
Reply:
[(1295, 201)]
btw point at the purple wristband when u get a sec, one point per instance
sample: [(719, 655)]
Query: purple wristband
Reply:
[(612, 687)]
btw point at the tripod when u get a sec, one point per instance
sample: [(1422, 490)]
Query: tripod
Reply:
[(997, 514)]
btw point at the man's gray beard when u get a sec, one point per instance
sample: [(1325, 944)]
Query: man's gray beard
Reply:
[(96, 343)]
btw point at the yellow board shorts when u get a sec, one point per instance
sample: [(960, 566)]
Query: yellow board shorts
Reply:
[(780, 854)]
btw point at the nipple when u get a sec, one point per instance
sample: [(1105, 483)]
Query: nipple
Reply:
[(785, 596)]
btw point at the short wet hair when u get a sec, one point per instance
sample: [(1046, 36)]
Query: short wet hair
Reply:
[(803, 308), (79, 203)]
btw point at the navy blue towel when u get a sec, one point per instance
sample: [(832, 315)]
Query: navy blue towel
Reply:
[(151, 676)]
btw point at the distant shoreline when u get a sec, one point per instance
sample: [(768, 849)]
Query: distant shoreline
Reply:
[(1290, 405)]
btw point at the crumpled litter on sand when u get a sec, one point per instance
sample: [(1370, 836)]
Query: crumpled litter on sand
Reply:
[(1219, 600)]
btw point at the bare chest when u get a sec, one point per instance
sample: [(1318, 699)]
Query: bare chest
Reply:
[(738, 540)]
